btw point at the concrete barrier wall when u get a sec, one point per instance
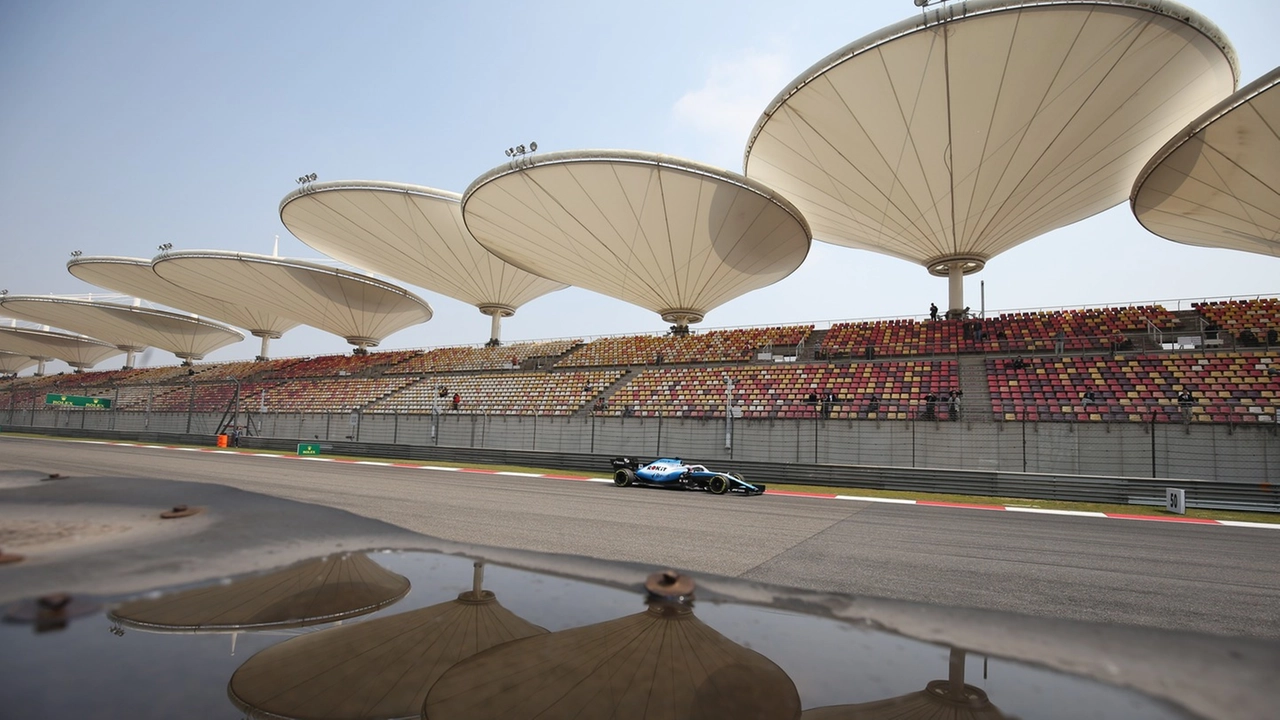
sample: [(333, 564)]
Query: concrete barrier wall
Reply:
[(1206, 452)]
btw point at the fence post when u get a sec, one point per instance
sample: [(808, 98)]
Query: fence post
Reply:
[(1024, 444)]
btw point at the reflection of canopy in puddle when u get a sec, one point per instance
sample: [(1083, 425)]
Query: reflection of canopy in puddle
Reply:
[(310, 593), (376, 669), (951, 699), (661, 663), (670, 235)]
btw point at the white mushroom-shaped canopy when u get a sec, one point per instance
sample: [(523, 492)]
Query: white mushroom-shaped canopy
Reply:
[(75, 350), (126, 327), (966, 130), (134, 276), (359, 308), (671, 235), (13, 363), (411, 233), (1217, 183)]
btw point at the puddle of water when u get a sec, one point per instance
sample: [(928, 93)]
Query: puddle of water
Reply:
[(175, 654)]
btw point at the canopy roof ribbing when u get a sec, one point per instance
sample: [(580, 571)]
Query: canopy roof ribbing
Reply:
[(128, 328), (14, 363), (412, 233), (75, 350), (1217, 183), (671, 235), (955, 135), (134, 276), (358, 308)]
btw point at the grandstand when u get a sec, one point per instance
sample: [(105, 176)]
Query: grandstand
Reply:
[(1120, 353)]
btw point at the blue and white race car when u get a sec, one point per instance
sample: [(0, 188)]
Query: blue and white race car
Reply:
[(675, 473)]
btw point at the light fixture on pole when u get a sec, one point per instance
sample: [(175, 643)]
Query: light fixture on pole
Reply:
[(517, 151)]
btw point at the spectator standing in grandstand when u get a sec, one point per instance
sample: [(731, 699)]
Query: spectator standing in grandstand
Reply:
[(457, 402), (1186, 401), (1059, 342), (953, 407), (930, 407), (933, 311)]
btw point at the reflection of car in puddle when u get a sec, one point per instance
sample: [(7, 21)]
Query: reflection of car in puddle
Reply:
[(451, 650)]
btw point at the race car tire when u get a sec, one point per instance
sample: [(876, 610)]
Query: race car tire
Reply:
[(718, 485), (624, 477)]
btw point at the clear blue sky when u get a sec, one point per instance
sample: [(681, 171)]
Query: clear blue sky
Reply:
[(129, 124)]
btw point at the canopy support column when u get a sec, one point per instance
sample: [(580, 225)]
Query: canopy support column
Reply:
[(955, 289), (496, 313), (955, 675), (954, 268), (128, 359), (262, 354)]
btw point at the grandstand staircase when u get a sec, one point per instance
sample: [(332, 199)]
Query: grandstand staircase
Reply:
[(811, 345), (546, 363), (389, 393), (607, 393), (972, 373)]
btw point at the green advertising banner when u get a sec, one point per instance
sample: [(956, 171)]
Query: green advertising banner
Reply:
[(77, 401), (308, 449)]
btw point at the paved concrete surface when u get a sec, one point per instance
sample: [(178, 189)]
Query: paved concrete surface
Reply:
[(1186, 577), (1170, 576)]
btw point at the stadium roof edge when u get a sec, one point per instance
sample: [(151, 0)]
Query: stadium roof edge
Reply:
[(408, 188), (641, 157)]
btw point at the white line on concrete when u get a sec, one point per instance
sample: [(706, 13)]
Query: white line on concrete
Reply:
[(1244, 523), (1048, 511), (895, 501)]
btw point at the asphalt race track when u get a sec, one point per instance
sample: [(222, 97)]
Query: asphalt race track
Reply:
[(1174, 576)]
